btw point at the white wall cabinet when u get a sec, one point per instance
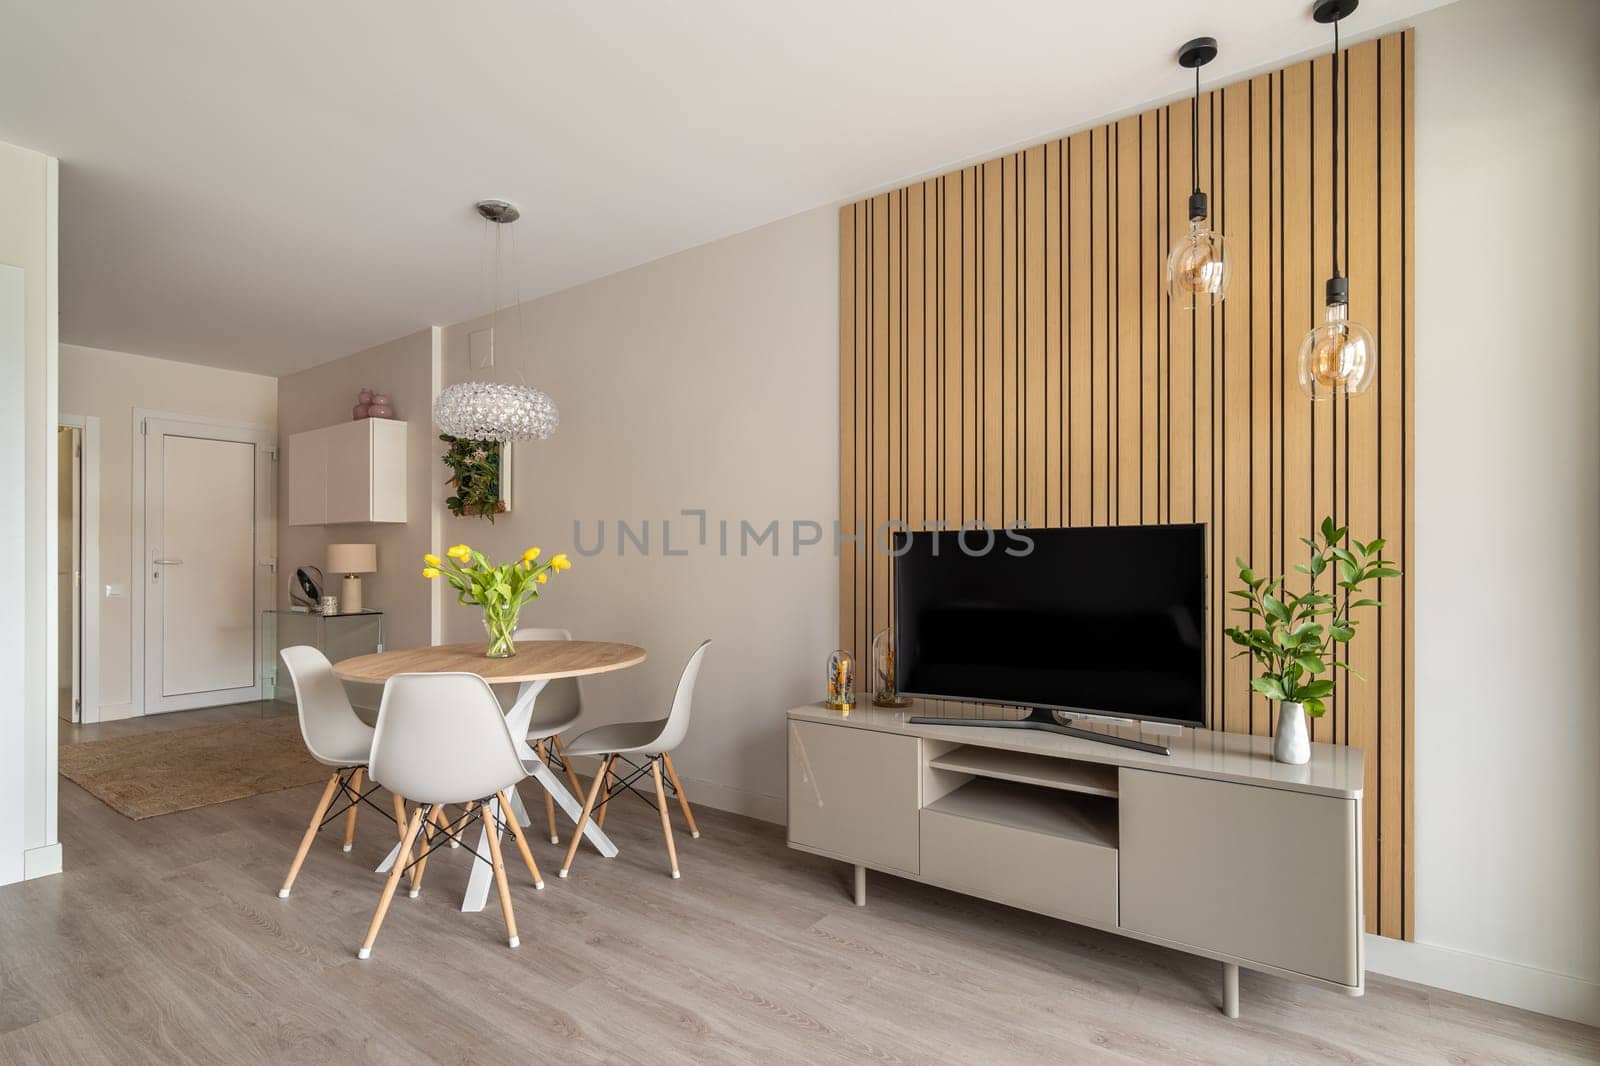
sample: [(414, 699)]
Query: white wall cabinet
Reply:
[(350, 472)]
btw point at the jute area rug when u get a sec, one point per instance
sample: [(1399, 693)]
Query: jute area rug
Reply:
[(150, 774)]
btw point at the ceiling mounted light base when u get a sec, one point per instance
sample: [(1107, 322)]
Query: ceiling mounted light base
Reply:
[(1199, 52), (1334, 10), (501, 211)]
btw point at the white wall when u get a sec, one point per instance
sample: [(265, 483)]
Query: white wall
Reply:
[(708, 379), (1507, 520), (110, 385), (406, 370), (28, 240)]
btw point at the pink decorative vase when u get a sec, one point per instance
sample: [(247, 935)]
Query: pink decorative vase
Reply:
[(358, 412), (380, 407)]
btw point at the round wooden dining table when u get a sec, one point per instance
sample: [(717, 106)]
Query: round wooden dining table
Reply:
[(536, 663)]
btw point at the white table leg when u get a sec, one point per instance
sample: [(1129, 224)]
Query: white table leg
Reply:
[(519, 718)]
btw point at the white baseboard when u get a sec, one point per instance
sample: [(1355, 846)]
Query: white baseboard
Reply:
[(41, 862), (703, 793), (111, 712), (1555, 994)]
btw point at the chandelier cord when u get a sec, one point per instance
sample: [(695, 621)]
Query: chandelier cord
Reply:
[(522, 332)]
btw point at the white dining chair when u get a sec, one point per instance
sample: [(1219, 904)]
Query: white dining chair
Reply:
[(557, 708), (442, 739), (335, 737), (652, 740)]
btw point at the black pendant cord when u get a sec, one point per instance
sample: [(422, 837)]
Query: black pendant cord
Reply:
[(1334, 143), (1194, 134)]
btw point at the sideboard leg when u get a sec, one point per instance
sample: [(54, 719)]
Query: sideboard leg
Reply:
[(1230, 990), (861, 886)]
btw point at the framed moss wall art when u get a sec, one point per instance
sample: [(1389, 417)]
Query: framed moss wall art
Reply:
[(480, 477)]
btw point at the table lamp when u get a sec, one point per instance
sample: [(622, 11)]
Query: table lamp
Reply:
[(352, 560)]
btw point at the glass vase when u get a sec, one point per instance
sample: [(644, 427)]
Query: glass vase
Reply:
[(501, 623)]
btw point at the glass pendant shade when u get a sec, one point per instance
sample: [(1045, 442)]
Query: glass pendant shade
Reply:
[(494, 411), (1338, 357), (1197, 267)]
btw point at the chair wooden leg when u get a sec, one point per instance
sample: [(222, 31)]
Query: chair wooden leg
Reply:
[(413, 827), (572, 775), (522, 845), (350, 815), (311, 834), (583, 818), (493, 832), (399, 814), (543, 749), (434, 819), (466, 822), (605, 802), (666, 820), (683, 800)]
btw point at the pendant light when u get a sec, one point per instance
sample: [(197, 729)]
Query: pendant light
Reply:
[(1338, 357), (493, 410), (1197, 267)]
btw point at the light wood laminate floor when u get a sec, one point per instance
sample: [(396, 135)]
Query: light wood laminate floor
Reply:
[(164, 942)]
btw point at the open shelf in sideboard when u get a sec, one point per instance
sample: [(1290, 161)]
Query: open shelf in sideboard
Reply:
[(1067, 775), (1083, 818)]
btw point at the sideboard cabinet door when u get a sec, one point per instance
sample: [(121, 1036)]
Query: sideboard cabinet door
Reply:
[(853, 794), (1259, 873)]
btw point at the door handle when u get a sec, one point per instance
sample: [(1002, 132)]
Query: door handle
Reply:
[(167, 562)]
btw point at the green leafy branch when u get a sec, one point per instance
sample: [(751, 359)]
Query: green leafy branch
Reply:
[(1293, 637)]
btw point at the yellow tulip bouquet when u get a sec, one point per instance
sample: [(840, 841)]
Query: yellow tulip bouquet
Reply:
[(500, 590)]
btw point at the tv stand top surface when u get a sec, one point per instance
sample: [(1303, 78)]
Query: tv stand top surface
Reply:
[(1334, 770)]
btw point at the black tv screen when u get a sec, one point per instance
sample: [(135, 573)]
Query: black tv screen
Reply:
[(1104, 620)]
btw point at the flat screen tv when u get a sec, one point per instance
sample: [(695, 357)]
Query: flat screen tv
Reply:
[(1103, 621)]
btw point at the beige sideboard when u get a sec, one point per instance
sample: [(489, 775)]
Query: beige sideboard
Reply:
[(1214, 849)]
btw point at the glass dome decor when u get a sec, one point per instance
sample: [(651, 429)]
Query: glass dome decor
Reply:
[(841, 682), (884, 690), (495, 411)]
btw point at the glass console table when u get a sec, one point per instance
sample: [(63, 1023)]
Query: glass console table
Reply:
[(338, 636)]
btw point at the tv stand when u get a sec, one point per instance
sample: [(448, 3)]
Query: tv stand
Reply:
[(1214, 849), (1045, 721)]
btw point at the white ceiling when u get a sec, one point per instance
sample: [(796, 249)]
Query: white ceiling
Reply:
[(266, 186)]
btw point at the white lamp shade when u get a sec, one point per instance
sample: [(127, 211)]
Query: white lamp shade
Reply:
[(353, 558)]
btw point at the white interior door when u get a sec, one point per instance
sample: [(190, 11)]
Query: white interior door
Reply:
[(203, 594)]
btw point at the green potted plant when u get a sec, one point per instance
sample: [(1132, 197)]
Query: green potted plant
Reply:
[(1294, 637)]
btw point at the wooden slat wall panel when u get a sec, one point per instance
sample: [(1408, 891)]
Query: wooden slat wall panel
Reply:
[(1007, 353)]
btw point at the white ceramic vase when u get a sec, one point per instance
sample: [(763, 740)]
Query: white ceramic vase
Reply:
[(1292, 741)]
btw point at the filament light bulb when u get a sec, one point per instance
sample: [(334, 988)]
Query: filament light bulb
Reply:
[(1337, 357)]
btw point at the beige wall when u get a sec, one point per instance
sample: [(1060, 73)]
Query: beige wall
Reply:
[(708, 379), (110, 385), (28, 241), (1508, 531), (405, 369)]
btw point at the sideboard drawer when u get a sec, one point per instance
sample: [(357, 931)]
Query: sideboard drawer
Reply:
[(1069, 879), (853, 794)]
